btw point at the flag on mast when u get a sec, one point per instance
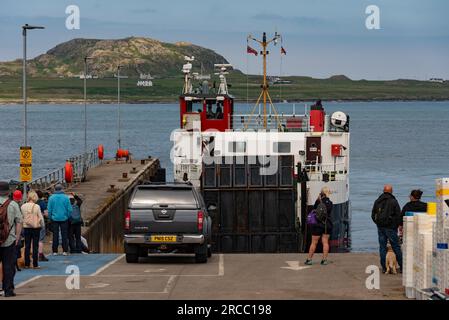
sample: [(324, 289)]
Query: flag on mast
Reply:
[(283, 50), (251, 50)]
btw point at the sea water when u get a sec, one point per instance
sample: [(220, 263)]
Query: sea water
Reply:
[(405, 144)]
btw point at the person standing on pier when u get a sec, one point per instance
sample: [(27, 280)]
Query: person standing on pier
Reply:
[(386, 214), (10, 226), (32, 224), (75, 221), (323, 228), (59, 212), (43, 205)]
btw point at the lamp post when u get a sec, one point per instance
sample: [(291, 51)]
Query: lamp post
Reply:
[(118, 107), (85, 118), (24, 92)]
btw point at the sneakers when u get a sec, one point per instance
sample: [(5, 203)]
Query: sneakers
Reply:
[(308, 262), (64, 254), (55, 253), (324, 262)]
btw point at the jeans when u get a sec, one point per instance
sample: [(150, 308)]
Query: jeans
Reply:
[(386, 234), (64, 227), (42, 234), (75, 238), (8, 260), (32, 235)]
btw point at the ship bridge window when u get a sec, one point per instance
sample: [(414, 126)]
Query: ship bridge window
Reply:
[(214, 110), (237, 147), (282, 147), (194, 106)]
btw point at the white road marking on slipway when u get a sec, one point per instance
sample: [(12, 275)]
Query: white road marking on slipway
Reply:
[(107, 265), (221, 266), (170, 284), (24, 283)]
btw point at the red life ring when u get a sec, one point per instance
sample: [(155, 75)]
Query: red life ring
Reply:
[(100, 152), (68, 169), (122, 153)]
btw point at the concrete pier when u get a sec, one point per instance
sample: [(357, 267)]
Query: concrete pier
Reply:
[(225, 276), (107, 276), (106, 194)]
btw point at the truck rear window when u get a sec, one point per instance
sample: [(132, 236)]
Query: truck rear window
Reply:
[(148, 197)]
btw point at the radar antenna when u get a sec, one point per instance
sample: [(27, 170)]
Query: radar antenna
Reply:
[(186, 69), (223, 88)]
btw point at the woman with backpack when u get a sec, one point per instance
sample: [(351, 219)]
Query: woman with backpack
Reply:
[(32, 224), (323, 226), (75, 223)]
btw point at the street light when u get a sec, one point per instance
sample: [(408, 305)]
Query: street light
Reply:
[(85, 117), (118, 106), (24, 88)]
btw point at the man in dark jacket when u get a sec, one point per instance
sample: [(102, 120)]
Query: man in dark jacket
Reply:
[(386, 215)]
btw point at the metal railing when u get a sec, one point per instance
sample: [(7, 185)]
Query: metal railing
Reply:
[(81, 165), (336, 171), (283, 122)]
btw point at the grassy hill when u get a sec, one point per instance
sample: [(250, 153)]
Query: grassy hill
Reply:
[(136, 55), (54, 76)]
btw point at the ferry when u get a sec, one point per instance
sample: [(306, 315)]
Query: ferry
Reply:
[(262, 170)]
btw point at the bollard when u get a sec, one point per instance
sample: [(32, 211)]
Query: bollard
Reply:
[(142, 162), (124, 177), (134, 170)]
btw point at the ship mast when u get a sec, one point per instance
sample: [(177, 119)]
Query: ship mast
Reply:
[(264, 95)]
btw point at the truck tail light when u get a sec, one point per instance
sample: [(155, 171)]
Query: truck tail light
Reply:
[(127, 220), (200, 220)]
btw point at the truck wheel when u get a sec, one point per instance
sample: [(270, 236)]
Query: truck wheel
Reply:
[(201, 253), (132, 258)]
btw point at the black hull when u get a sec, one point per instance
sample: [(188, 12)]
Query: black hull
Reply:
[(257, 214)]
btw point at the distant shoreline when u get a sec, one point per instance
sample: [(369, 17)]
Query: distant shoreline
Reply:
[(110, 102)]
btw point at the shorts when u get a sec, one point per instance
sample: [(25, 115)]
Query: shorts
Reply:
[(42, 234), (319, 229)]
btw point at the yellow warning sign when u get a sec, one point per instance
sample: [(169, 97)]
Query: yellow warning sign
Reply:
[(26, 172), (26, 155)]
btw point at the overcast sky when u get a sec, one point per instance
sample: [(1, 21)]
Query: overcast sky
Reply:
[(322, 37)]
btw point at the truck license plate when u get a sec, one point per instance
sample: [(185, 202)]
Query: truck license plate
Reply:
[(160, 238)]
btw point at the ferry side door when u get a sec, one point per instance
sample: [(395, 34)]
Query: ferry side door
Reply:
[(313, 150)]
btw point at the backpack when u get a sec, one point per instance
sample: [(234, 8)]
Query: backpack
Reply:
[(4, 223), (76, 214), (321, 212), (381, 215), (311, 218)]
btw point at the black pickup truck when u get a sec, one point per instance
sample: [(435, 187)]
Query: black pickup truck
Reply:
[(167, 218)]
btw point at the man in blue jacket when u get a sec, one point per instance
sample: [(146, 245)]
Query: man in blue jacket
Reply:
[(59, 212)]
